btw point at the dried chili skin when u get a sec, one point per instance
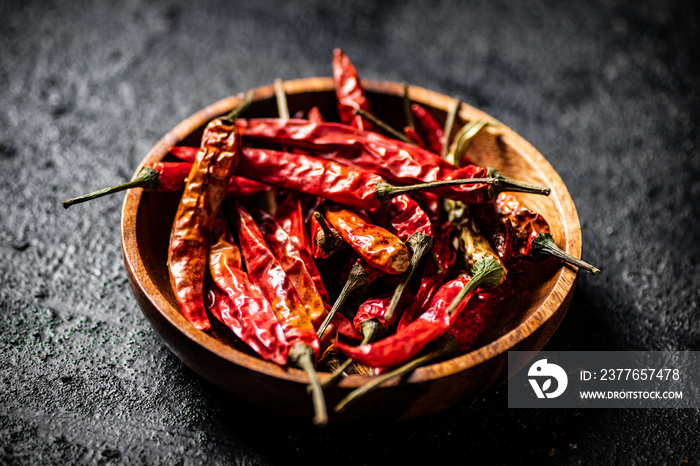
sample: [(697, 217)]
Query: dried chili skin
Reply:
[(349, 93), (527, 223), (237, 303), (480, 311), (429, 128), (202, 197), (430, 325), (290, 217), (433, 275), (289, 257), (394, 160), (310, 175), (265, 271), (404, 217), (171, 175), (376, 245)]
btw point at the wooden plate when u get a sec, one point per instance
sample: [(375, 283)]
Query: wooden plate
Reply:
[(545, 288)]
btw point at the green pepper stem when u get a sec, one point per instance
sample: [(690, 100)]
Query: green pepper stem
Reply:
[(331, 240), (245, 103), (419, 244), (449, 124), (407, 108), (302, 356), (448, 346), (357, 277), (544, 245), (371, 330), (281, 97), (498, 183), (146, 179), (487, 273), (464, 138), (383, 126)]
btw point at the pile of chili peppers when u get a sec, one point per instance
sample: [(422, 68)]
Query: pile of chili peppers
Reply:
[(378, 250)]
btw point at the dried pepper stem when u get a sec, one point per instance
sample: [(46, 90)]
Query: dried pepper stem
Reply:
[(487, 274), (407, 108), (419, 244), (356, 278), (449, 124), (497, 182), (331, 240), (245, 103), (448, 346), (281, 98), (146, 179), (544, 244), (302, 356), (382, 125), (371, 329)]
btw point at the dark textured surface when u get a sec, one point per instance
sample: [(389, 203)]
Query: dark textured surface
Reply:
[(607, 91)]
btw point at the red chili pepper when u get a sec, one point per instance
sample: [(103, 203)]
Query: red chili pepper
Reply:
[(520, 233), (240, 306), (349, 93), (289, 257), (394, 160), (199, 205), (413, 136), (315, 115), (401, 346), (460, 336), (171, 177), (430, 129), (442, 311), (265, 271), (376, 245)]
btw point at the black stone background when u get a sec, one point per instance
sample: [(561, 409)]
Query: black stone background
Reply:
[(606, 90)]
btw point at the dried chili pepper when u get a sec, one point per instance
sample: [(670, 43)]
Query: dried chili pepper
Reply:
[(360, 274), (433, 274), (171, 177), (520, 233), (459, 337), (391, 159), (289, 257), (157, 176), (200, 202), (240, 305), (265, 271), (376, 245), (349, 93), (429, 128), (444, 308)]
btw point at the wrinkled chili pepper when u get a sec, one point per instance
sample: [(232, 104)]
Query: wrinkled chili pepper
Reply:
[(349, 93), (479, 311), (157, 176), (359, 274), (290, 217), (265, 271), (433, 274), (429, 128), (199, 205), (521, 233), (442, 311), (394, 160), (171, 177), (289, 257), (376, 245), (240, 306)]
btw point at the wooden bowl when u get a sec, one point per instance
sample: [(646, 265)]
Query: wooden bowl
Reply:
[(545, 288)]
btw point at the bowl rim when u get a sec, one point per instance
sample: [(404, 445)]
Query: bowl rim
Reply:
[(565, 277)]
